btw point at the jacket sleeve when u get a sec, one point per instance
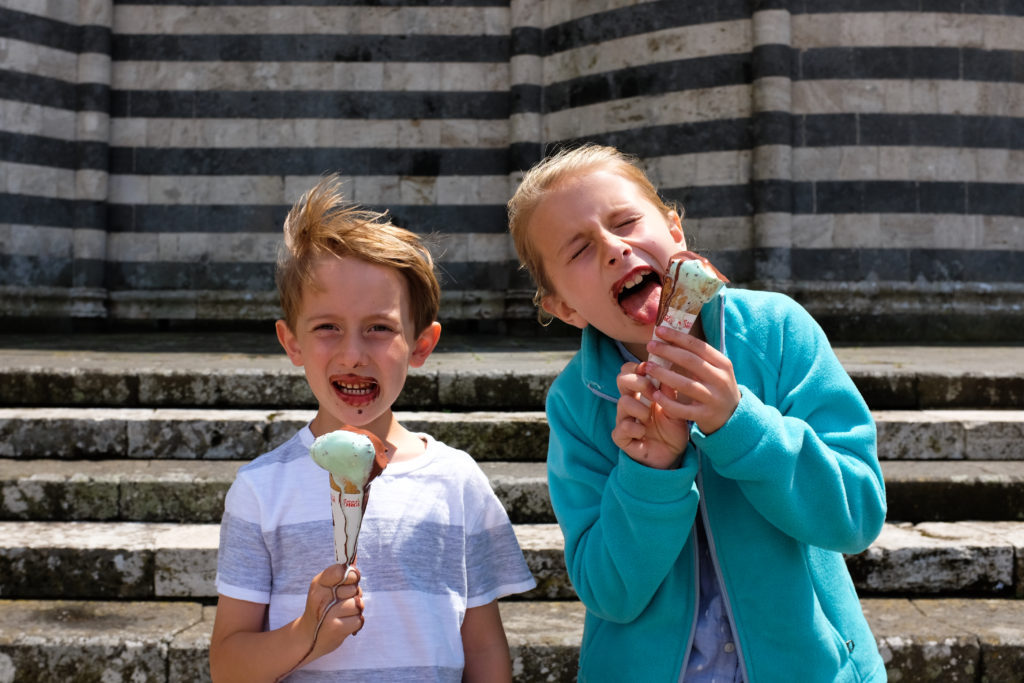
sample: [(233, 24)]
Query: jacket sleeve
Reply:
[(624, 524), (804, 451)]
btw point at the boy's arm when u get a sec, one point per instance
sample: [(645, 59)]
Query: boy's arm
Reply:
[(240, 650), (485, 646)]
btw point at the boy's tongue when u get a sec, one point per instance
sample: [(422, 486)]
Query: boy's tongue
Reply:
[(641, 304)]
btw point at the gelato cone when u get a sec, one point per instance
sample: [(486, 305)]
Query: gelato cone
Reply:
[(690, 282), (354, 458)]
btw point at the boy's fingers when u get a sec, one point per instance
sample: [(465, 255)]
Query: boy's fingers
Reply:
[(338, 574)]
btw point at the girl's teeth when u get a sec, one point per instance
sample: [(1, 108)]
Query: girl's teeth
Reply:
[(633, 282)]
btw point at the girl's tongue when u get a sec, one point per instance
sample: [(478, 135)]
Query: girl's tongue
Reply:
[(641, 302)]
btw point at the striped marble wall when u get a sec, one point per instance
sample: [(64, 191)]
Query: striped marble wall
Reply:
[(866, 156)]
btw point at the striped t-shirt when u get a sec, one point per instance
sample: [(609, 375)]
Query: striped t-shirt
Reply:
[(435, 541)]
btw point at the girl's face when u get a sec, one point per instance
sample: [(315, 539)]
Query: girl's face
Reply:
[(605, 247)]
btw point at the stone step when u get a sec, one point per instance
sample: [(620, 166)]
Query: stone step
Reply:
[(945, 639), (143, 561), (193, 491), (944, 490), (467, 373), (235, 434)]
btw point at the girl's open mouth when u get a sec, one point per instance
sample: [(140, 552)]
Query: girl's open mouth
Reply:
[(638, 295)]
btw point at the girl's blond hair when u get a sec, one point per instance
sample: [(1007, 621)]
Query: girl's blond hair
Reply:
[(322, 223), (545, 176)]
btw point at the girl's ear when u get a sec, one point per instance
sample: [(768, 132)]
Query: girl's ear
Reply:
[(289, 342), (675, 228), (426, 341), (556, 306)]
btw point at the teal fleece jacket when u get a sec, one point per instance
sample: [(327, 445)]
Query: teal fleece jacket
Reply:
[(785, 487)]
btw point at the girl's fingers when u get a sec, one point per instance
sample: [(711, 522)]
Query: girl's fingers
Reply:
[(627, 431)]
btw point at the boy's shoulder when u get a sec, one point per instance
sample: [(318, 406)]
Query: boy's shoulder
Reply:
[(446, 456), (288, 452)]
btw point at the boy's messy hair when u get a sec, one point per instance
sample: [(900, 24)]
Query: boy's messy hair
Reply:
[(548, 173), (322, 223)]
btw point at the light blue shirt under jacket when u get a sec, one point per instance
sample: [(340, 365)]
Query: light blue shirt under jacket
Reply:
[(713, 656), (788, 485)]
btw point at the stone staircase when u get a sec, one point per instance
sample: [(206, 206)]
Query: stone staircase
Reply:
[(116, 451)]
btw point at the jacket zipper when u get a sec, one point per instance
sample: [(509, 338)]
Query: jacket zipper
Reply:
[(696, 612), (713, 552)]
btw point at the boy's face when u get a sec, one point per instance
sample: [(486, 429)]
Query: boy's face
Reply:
[(605, 248), (354, 338)]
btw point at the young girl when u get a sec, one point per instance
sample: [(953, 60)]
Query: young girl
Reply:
[(704, 534)]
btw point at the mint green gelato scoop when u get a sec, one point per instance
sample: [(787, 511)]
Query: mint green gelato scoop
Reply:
[(348, 456)]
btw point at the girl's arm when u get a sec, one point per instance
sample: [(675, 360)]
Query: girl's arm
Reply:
[(624, 523), (485, 646), (801, 443), (240, 650)]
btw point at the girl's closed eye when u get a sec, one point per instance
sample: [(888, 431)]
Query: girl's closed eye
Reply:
[(578, 251), (628, 223)]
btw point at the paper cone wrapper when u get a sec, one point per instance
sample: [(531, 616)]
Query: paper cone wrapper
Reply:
[(683, 296), (347, 504)]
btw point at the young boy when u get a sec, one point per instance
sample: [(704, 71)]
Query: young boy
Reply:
[(436, 549), (704, 534)]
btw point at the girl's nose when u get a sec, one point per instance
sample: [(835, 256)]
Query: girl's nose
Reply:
[(616, 249)]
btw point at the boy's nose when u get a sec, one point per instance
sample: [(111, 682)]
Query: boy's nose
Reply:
[(352, 355)]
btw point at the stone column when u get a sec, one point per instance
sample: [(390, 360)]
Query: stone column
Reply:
[(771, 173), (87, 296), (526, 115)]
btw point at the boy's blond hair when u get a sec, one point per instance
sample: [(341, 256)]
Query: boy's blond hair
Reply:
[(322, 223), (547, 174)]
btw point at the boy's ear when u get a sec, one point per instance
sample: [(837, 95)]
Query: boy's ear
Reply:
[(556, 306), (289, 342), (425, 344), (675, 228)]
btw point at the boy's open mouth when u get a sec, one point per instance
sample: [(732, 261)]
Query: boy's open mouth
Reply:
[(638, 295), (356, 391)]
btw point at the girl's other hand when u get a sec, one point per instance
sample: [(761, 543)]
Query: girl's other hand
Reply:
[(646, 433)]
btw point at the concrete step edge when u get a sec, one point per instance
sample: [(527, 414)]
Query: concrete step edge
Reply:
[(212, 433), (193, 491), (947, 639), (130, 560), (888, 377)]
